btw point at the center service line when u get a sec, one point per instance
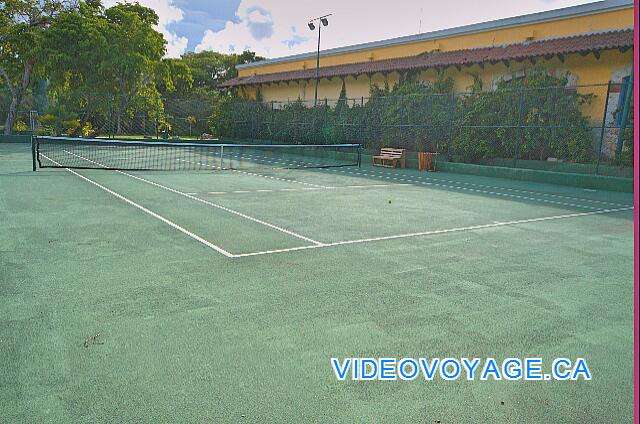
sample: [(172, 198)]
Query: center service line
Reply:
[(149, 212), (206, 202)]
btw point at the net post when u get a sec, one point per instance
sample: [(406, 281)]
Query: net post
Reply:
[(359, 155), (33, 153), (221, 158)]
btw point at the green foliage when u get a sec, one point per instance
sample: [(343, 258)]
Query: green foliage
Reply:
[(104, 68), (65, 124), (293, 122), (173, 77), (23, 25), (21, 126), (412, 115), (23, 28), (88, 130), (48, 124), (47, 120), (222, 117), (259, 97), (191, 121), (627, 154), (121, 54), (71, 126), (164, 124), (209, 68), (534, 117), (341, 115)]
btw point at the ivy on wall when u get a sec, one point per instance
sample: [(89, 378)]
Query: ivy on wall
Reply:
[(534, 117)]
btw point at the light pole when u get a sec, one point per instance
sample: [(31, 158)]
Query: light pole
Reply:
[(325, 22)]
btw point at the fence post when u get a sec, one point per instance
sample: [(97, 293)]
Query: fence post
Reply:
[(157, 119), (516, 149), (553, 125), (625, 116), (108, 116), (604, 122), (452, 112), (272, 120), (59, 120), (254, 122), (401, 144), (362, 121)]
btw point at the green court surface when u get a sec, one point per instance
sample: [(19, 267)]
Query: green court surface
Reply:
[(220, 296)]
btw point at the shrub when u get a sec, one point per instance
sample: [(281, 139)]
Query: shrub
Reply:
[(534, 117), (626, 156), (20, 126)]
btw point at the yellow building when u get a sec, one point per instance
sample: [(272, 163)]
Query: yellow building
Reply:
[(593, 42)]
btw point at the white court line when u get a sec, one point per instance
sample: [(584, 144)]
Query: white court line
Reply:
[(297, 189), (494, 193), (339, 243), (438, 182), (206, 202), (473, 190), (434, 232), (515, 190), (257, 175), (432, 182), (149, 212), (281, 179)]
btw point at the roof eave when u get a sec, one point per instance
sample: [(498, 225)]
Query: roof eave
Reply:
[(546, 16), (336, 72)]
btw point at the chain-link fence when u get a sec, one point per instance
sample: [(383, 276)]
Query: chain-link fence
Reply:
[(98, 115), (576, 129)]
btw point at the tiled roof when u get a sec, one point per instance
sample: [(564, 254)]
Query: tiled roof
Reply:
[(588, 9), (583, 43)]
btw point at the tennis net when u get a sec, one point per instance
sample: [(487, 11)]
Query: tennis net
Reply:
[(136, 155)]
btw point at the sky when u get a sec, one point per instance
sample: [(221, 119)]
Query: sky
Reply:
[(275, 28)]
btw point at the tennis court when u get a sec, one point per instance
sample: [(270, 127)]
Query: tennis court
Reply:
[(220, 293)]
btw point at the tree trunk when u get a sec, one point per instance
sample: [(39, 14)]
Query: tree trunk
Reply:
[(16, 96), (13, 112)]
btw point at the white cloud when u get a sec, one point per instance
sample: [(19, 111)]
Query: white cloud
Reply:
[(274, 28), (167, 13), (264, 26), (176, 45)]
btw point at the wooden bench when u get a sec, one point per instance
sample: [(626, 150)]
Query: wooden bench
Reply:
[(389, 158)]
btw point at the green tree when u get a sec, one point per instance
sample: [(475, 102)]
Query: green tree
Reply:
[(23, 25), (135, 49), (211, 68), (120, 54), (74, 83), (173, 77), (191, 121)]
